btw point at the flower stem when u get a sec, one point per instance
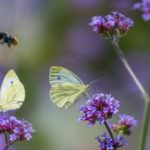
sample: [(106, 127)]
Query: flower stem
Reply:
[(8, 145), (6, 142), (109, 130), (144, 130), (129, 69)]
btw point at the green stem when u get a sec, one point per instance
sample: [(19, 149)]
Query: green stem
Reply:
[(129, 70), (6, 142), (144, 130), (8, 145), (109, 130)]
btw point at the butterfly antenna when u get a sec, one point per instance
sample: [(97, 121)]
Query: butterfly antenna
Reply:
[(87, 95), (94, 81)]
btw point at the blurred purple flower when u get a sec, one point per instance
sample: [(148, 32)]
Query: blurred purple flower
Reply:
[(82, 44), (28, 6), (127, 121), (17, 130), (144, 8), (113, 24), (107, 143), (85, 4), (99, 108), (2, 142), (2, 74), (121, 5)]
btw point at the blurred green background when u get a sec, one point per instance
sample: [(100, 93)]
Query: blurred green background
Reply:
[(56, 32)]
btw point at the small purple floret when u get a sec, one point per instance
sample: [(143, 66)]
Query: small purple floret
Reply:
[(124, 125), (112, 24), (99, 108), (144, 8), (107, 143), (127, 120), (17, 130)]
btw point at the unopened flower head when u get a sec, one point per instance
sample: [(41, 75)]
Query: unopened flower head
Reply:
[(113, 24), (124, 124), (107, 143), (99, 108), (17, 130), (144, 8)]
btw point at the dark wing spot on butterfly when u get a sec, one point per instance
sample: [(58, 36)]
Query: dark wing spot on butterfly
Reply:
[(58, 77), (12, 83)]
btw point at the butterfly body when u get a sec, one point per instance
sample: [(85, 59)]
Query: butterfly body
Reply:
[(12, 92), (66, 87)]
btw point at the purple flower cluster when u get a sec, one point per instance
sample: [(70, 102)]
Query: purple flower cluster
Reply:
[(107, 143), (124, 124), (127, 121), (144, 8), (102, 107), (113, 24), (99, 108), (17, 130)]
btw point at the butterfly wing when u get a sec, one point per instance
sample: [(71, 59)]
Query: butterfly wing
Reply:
[(66, 87), (59, 75), (12, 92), (65, 94)]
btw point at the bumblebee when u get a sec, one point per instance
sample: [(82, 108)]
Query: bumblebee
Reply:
[(8, 39)]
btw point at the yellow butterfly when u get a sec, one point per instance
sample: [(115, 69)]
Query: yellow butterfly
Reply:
[(12, 92), (66, 87)]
